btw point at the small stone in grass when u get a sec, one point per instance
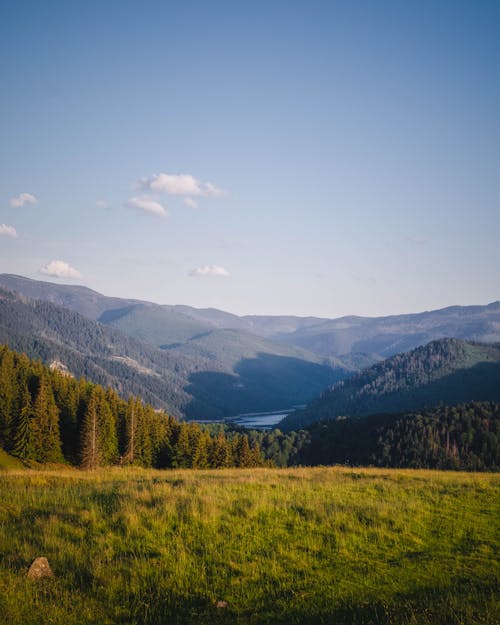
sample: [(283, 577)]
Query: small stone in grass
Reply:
[(39, 568)]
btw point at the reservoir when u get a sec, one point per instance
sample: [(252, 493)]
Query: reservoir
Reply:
[(259, 420)]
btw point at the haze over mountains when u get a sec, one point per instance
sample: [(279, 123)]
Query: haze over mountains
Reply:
[(165, 324), (207, 363)]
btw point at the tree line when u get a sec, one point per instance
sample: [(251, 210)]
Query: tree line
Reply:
[(50, 417), (461, 437)]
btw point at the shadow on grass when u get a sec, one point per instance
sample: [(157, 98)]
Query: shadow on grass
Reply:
[(465, 604)]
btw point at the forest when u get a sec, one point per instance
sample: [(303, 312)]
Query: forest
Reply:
[(446, 371), (47, 416)]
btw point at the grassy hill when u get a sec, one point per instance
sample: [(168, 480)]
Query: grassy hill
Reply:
[(303, 546), (447, 371)]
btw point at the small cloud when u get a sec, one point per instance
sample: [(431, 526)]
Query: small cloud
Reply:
[(188, 201), (60, 269), (22, 199), (8, 231), (210, 271), (180, 184), (148, 204), (102, 204)]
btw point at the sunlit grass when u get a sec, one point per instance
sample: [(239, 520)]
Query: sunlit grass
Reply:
[(323, 545)]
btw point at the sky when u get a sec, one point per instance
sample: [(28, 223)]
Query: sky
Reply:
[(313, 157)]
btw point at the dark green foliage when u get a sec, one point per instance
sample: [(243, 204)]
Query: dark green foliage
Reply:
[(448, 371), (48, 416), (463, 437)]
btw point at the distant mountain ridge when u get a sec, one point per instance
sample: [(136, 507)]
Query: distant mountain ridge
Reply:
[(446, 371), (375, 338), (206, 377)]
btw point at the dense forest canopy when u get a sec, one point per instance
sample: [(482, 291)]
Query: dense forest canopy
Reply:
[(49, 416)]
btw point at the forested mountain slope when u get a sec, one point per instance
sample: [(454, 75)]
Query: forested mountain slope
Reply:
[(192, 381), (49, 417), (448, 371)]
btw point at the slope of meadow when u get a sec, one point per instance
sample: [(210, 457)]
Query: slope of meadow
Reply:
[(323, 545)]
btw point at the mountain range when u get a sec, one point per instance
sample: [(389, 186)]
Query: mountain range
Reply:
[(215, 375), (374, 338), (207, 363)]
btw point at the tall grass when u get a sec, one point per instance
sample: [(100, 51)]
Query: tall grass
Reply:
[(323, 545)]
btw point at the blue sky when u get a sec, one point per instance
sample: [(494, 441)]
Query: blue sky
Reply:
[(279, 157)]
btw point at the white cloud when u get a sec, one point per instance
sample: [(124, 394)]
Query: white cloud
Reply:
[(102, 204), (22, 199), (210, 271), (180, 184), (60, 269), (8, 231), (148, 204), (188, 201)]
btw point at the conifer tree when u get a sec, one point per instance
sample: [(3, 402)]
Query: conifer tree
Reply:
[(220, 452), (22, 440), (131, 430), (91, 456), (45, 422), (7, 396)]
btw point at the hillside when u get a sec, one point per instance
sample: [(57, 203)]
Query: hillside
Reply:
[(448, 371), (49, 417), (190, 381), (463, 437), (166, 325)]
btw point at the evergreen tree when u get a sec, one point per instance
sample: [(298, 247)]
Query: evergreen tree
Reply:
[(23, 445), (91, 456), (45, 425)]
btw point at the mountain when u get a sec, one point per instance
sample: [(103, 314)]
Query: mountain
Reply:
[(447, 371), (387, 336), (210, 376), (357, 341), (161, 325), (52, 333)]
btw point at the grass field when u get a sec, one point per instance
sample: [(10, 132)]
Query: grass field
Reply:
[(323, 545)]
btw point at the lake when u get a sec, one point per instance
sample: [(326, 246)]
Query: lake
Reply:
[(260, 420)]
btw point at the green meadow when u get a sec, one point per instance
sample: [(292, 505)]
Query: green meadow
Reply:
[(293, 546)]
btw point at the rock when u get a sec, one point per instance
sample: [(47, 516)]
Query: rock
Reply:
[(40, 568)]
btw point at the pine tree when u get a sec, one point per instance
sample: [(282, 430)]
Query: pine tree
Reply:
[(220, 452), (45, 422), (131, 417), (91, 457), (7, 396), (23, 447)]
